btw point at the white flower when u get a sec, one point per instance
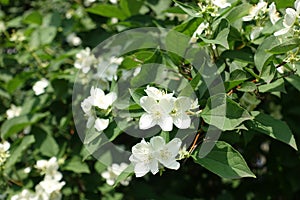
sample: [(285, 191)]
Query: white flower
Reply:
[(289, 19), (180, 118), (157, 113), (143, 159), (101, 124), (17, 37), (274, 15), (27, 170), (84, 60), (87, 3), (221, 3), (39, 86), (107, 69), (24, 195), (73, 39), (113, 1), (4, 153), (146, 156), (49, 189), (14, 111), (86, 105), (199, 30), (157, 94), (49, 168), (113, 172), (100, 100), (114, 20), (255, 11), (166, 153)]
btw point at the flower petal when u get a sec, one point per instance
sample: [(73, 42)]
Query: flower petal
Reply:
[(153, 92), (183, 103), (282, 31), (101, 124), (147, 103), (146, 121), (141, 169), (154, 166), (157, 142), (111, 97), (289, 17), (173, 146), (167, 104), (172, 165), (166, 123), (182, 120)]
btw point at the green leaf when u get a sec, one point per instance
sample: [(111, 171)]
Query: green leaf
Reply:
[(76, 165), (294, 80), (45, 142), (189, 27), (224, 161), (262, 55), (238, 12), (267, 73), (137, 94), (286, 46), (247, 87), (42, 36), (33, 17), (274, 128), (18, 81), (17, 152), (131, 7), (224, 113), (188, 9), (106, 10), (276, 86), (236, 77), (221, 38), (16, 124), (239, 55)]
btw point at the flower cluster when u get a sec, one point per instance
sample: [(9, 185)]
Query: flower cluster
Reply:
[(113, 172), (97, 100), (208, 9), (73, 39), (49, 187), (14, 111), (164, 110), (291, 18), (84, 60), (261, 13), (40, 86), (4, 153), (153, 155)]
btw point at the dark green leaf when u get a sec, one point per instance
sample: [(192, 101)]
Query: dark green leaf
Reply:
[(224, 113), (285, 46), (294, 80), (16, 124), (274, 128), (107, 11), (76, 165), (224, 161), (33, 17), (276, 86)]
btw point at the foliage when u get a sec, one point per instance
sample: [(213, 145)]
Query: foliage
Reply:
[(245, 80)]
